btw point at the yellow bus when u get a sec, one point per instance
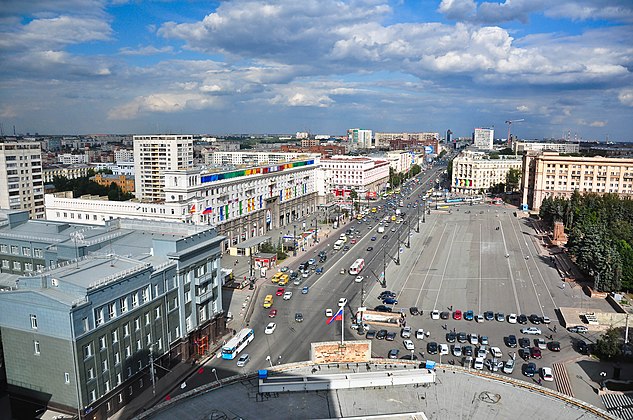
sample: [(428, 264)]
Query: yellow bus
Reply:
[(277, 276), (283, 279), (268, 301)]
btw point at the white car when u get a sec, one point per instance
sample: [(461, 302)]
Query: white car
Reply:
[(287, 295), (443, 349), (305, 274), (508, 366), (479, 363), (546, 320), (479, 318), (496, 352), (457, 350), (328, 312), (243, 360), (512, 318), (481, 351), (419, 334), (541, 344), (406, 332), (435, 314), (546, 374), (358, 279), (408, 344), (531, 331), (342, 302), (270, 328), (474, 339)]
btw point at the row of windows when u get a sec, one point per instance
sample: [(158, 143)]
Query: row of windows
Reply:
[(122, 305), (17, 266), (26, 251)]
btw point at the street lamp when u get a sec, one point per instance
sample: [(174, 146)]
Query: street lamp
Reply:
[(269, 361), (294, 240), (216, 376)]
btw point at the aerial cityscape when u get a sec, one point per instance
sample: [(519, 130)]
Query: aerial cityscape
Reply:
[(332, 209)]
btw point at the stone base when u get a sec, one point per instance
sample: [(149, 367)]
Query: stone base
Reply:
[(334, 352)]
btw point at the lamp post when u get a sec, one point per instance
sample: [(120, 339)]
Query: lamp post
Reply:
[(269, 361), (294, 240), (216, 376), (417, 226), (408, 222)]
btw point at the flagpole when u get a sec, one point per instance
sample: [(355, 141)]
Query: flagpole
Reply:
[(342, 322)]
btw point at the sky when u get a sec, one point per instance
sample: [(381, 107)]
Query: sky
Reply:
[(563, 68)]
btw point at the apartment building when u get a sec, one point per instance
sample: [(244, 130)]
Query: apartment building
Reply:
[(413, 140), (539, 146), (252, 158), (78, 170), (342, 174), (548, 174), (124, 155), (71, 159), (474, 172), (21, 183), (79, 332), (153, 155), (483, 138), (359, 138)]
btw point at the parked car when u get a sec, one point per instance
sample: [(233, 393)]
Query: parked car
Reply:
[(531, 331), (390, 301), (444, 315), (522, 319), (443, 349), (582, 347), (553, 346), (405, 332), (511, 341), (382, 308), (545, 320), (450, 337), (457, 315), (390, 336), (529, 369), (512, 318), (408, 344), (499, 316), (546, 374), (380, 335), (489, 315), (535, 353), (479, 318), (496, 352), (371, 334), (435, 314), (467, 350), (393, 353), (431, 347), (479, 363), (457, 350), (483, 339), (535, 319), (578, 329), (508, 366), (414, 311), (243, 360), (469, 315), (462, 337), (540, 343), (524, 342), (474, 339), (419, 334)]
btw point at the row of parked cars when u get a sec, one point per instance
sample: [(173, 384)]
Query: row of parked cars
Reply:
[(486, 316)]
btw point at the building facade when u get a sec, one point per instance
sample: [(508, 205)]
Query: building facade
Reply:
[(71, 159), (79, 334), (343, 174), (78, 170), (252, 158), (483, 138), (155, 154), (536, 146), (359, 138), (21, 178), (124, 155), (547, 174), (386, 140), (124, 182), (474, 172)]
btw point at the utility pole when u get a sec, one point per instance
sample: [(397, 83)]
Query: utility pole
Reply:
[(294, 240), (409, 234), (151, 367), (398, 248), (417, 226)]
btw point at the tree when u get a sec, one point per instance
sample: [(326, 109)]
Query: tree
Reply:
[(354, 196), (608, 345), (513, 179)]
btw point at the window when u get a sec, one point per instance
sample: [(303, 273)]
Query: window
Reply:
[(118, 379), (104, 365), (112, 309), (128, 351), (15, 250), (5, 263), (99, 316), (140, 366), (159, 342), (139, 345), (93, 395), (157, 312), (102, 342), (37, 252), (91, 373), (34, 321), (123, 304), (147, 318), (156, 290), (87, 351), (129, 371), (66, 378), (126, 330), (137, 324), (17, 265), (107, 387), (28, 267), (146, 294), (148, 339), (84, 322), (115, 336), (26, 251), (36, 347), (117, 358), (4, 248), (134, 300)]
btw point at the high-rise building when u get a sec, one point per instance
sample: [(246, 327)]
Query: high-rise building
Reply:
[(154, 154), (360, 138), (483, 138), (21, 184)]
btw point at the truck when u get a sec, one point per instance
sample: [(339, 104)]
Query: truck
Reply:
[(338, 244)]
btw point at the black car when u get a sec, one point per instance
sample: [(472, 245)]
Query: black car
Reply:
[(524, 342), (522, 319), (382, 308), (535, 319), (380, 335), (450, 337), (370, 248), (346, 248), (462, 337), (409, 357), (390, 336), (371, 334), (529, 369), (386, 294), (467, 350), (294, 275), (511, 341), (444, 315), (582, 347), (553, 346), (489, 315), (393, 353), (414, 310), (322, 254), (524, 353), (431, 347), (323, 259)]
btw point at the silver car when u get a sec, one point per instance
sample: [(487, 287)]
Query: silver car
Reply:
[(243, 360)]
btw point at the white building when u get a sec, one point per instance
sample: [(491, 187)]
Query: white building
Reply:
[(484, 138), (70, 159), (342, 174), (78, 170), (538, 146), (118, 168), (401, 160), (302, 135), (241, 203), (21, 178), (359, 138), (474, 171), (124, 155), (155, 154), (252, 158)]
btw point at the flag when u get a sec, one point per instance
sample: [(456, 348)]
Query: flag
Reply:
[(337, 317), (208, 210), (192, 209)]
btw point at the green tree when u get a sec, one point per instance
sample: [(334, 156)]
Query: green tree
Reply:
[(608, 345), (626, 257), (513, 179)]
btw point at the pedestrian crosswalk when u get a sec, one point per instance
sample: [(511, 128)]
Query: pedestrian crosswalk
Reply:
[(561, 379)]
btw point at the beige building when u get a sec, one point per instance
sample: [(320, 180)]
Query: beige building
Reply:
[(21, 183), (383, 139), (484, 138), (475, 172), (547, 174), (78, 170), (538, 146)]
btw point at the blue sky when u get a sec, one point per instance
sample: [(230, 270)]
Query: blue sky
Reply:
[(323, 66)]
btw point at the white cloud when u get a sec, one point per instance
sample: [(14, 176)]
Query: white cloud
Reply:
[(592, 123), (626, 97), (302, 96), (457, 9), (162, 103), (147, 50), (523, 108)]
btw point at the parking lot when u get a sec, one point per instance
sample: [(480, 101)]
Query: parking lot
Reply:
[(480, 258)]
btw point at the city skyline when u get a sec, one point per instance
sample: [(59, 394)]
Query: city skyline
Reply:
[(242, 66)]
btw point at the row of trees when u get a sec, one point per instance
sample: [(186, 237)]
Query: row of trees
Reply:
[(600, 235), (84, 185), (397, 178)]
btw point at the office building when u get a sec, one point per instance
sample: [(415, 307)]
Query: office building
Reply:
[(155, 154), (78, 333), (483, 138), (540, 146), (71, 159), (548, 174), (359, 138), (21, 183), (474, 172), (344, 174), (252, 158)]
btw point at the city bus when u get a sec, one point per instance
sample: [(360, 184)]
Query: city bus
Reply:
[(236, 344), (338, 244), (357, 266)]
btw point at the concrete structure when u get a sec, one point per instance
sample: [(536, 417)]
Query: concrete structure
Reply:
[(547, 174), (252, 158), (414, 140), (21, 182), (309, 142), (474, 172), (342, 174), (126, 183), (118, 168), (240, 203), (154, 154), (359, 138), (79, 334), (401, 161), (483, 138), (71, 159), (78, 170), (537, 146), (124, 155)]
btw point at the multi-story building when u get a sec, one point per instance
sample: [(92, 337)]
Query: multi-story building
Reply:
[(411, 140), (359, 138), (124, 155), (126, 183), (155, 154), (483, 138), (252, 158), (475, 172), (21, 182), (241, 203), (401, 160), (342, 174), (79, 332), (539, 146), (71, 159), (323, 150), (77, 170), (310, 142), (547, 174)]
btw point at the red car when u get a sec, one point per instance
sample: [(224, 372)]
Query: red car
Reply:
[(457, 315), (353, 241), (535, 353), (280, 291), (272, 313)]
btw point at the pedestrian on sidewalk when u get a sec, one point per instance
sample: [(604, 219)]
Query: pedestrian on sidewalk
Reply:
[(554, 328)]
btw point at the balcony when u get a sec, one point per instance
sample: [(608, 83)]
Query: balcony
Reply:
[(209, 295), (204, 278)]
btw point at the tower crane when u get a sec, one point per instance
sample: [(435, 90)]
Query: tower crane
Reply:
[(509, 122)]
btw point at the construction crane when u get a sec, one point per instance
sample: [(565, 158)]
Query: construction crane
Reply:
[(509, 122)]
